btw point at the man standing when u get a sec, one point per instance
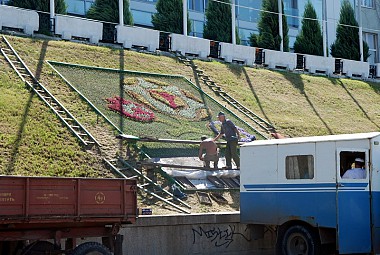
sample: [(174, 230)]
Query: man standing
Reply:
[(232, 137), (211, 154)]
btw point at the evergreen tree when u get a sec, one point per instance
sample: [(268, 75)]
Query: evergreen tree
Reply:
[(169, 17), (40, 5), (108, 10), (310, 39), (218, 24), (269, 37), (346, 44)]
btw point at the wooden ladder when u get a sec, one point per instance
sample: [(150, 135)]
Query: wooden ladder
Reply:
[(128, 171), (64, 115), (265, 127)]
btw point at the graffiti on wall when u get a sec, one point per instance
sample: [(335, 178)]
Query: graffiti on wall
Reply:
[(220, 237)]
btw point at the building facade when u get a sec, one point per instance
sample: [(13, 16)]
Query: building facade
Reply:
[(248, 13)]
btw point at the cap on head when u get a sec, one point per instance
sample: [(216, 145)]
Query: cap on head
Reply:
[(221, 114), (203, 137), (359, 160)]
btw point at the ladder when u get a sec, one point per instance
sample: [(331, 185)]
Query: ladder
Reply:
[(127, 171), (26, 76), (265, 127)]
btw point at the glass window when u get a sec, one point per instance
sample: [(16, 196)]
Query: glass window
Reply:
[(142, 18), (367, 3), (248, 10), (196, 5), (371, 40), (300, 167), (78, 7), (197, 28), (244, 35)]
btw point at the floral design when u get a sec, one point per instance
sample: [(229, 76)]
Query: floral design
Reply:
[(244, 135), (167, 99), (130, 109)]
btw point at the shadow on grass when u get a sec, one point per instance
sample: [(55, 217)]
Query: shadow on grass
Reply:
[(198, 84), (41, 59), (249, 82), (297, 82), (340, 83), (16, 145)]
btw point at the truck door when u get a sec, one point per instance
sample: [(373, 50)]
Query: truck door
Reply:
[(353, 205)]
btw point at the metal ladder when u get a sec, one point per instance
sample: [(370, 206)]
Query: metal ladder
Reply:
[(127, 171), (26, 76), (265, 126)]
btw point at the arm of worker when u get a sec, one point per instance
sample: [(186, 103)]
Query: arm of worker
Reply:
[(200, 156), (238, 134), (217, 137)]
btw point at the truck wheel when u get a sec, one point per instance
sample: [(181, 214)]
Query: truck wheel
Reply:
[(37, 247), (298, 240), (91, 248)]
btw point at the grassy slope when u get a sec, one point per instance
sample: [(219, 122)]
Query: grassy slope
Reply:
[(300, 104), (34, 142)]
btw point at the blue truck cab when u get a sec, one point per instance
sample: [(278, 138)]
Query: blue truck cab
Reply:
[(295, 186)]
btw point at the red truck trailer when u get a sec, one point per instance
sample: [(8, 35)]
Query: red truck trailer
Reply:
[(46, 215)]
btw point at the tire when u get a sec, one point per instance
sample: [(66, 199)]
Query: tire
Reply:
[(38, 247), (91, 248), (298, 240)]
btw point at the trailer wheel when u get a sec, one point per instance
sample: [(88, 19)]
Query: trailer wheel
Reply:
[(38, 247), (91, 248), (298, 240)]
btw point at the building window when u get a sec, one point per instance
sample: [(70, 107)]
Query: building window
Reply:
[(197, 28), (197, 5), (142, 18), (78, 7), (367, 3), (300, 167), (244, 35), (248, 10), (371, 40)]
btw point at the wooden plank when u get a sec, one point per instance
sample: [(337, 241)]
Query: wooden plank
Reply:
[(204, 198), (217, 182), (218, 198), (185, 182)]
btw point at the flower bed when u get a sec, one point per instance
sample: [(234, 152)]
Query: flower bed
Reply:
[(130, 109)]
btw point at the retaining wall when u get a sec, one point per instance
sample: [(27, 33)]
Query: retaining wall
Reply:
[(69, 27), (13, 17), (193, 234)]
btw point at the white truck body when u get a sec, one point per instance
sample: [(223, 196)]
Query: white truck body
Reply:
[(298, 182)]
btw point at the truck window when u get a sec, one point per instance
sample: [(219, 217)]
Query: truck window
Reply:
[(347, 160), (300, 167)]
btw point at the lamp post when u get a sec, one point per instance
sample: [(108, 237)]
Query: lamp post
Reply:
[(280, 25)]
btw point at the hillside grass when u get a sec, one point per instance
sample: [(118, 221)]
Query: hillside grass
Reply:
[(301, 104), (33, 141)]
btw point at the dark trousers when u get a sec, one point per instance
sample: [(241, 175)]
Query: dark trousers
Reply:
[(231, 153)]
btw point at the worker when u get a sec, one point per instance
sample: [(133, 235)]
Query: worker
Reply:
[(212, 152)]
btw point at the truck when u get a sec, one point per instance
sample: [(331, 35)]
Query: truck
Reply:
[(294, 187), (48, 215)]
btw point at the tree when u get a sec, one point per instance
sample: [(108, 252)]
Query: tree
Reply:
[(169, 17), (218, 26), (108, 10), (269, 36), (40, 5), (346, 44), (310, 39)]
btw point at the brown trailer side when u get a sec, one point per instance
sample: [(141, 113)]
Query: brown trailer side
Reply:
[(40, 208)]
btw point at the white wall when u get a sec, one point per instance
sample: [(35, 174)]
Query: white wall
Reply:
[(69, 26), (138, 36), (13, 17), (319, 64), (190, 45), (357, 68), (232, 52), (276, 59)]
